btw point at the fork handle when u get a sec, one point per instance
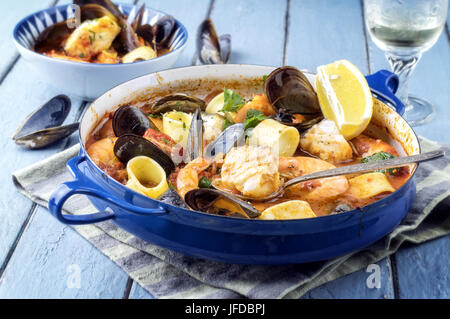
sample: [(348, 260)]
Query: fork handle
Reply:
[(366, 167)]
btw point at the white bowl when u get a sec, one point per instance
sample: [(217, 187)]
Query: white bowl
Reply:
[(89, 80)]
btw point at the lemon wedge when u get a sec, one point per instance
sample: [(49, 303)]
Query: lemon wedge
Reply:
[(344, 97)]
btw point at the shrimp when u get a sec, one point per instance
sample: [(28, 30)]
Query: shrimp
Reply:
[(315, 190), (187, 178), (324, 141), (260, 103), (102, 153), (367, 146)]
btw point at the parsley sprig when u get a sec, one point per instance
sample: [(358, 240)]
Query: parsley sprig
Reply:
[(380, 156), (253, 118), (232, 101)]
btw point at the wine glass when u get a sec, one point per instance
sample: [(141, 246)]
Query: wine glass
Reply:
[(404, 29)]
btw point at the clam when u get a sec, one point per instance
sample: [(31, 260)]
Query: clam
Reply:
[(211, 48), (128, 146), (130, 119), (290, 92), (217, 202), (43, 126), (177, 102)]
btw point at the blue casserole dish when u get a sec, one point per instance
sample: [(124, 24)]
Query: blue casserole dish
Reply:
[(229, 239)]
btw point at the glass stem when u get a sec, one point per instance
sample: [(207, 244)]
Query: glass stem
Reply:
[(403, 66)]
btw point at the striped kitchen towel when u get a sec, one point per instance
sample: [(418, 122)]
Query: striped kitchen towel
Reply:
[(167, 274)]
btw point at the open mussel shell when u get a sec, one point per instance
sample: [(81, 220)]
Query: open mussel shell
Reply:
[(287, 118), (107, 4), (178, 102), (130, 119), (211, 48), (45, 137), (94, 11), (129, 145), (232, 136), (163, 30), (204, 199), (288, 88), (52, 37), (46, 120)]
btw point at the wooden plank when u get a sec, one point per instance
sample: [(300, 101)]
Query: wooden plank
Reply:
[(322, 31), (354, 285), (190, 14), (423, 271), (16, 10), (22, 92), (48, 259), (256, 28)]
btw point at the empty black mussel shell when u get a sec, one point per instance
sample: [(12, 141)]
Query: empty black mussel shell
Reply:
[(163, 29), (129, 145), (52, 37), (130, 119), (204, 199), (211, 48), (178, 102), (94, 11), (107, 4), (288, 88), (43, 126)]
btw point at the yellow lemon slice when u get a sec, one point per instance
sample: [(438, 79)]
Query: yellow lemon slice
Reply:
[(344, 97)]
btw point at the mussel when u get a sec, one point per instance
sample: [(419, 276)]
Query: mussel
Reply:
[(177, 102), (290, 92), (52, 37), (94, 11), (43, 126), (128, 146), (232, 136), (130, 119), (216, 202), (211, 48), (107, 4)]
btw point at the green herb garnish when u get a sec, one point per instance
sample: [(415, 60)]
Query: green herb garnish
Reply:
[(184, 126), (82, 55), (155, 115), (232, 101), (264, 77), (381, 156), (204, 182), (170, 185), (253, 118), (228, 120), (91, 36)]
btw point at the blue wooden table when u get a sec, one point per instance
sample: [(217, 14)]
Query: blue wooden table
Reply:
[(37, 253)]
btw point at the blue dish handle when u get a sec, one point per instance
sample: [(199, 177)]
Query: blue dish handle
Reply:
[(80, 185), (384, 84)]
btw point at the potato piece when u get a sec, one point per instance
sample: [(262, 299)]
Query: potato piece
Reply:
[(369, 185), (92, 37), (176, 125), (293, 209)]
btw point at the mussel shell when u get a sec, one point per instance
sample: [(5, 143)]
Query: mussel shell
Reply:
[(208, 45), (203, 199), (288, 88), (51, 114), (52, 37), (163, 29), (232, 136), (178, 102), (194, 145), (129, 145), (225, 47), (94, 11), (130, 119), (287, 119), (107, 4), (146, 32), (45, 137)]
